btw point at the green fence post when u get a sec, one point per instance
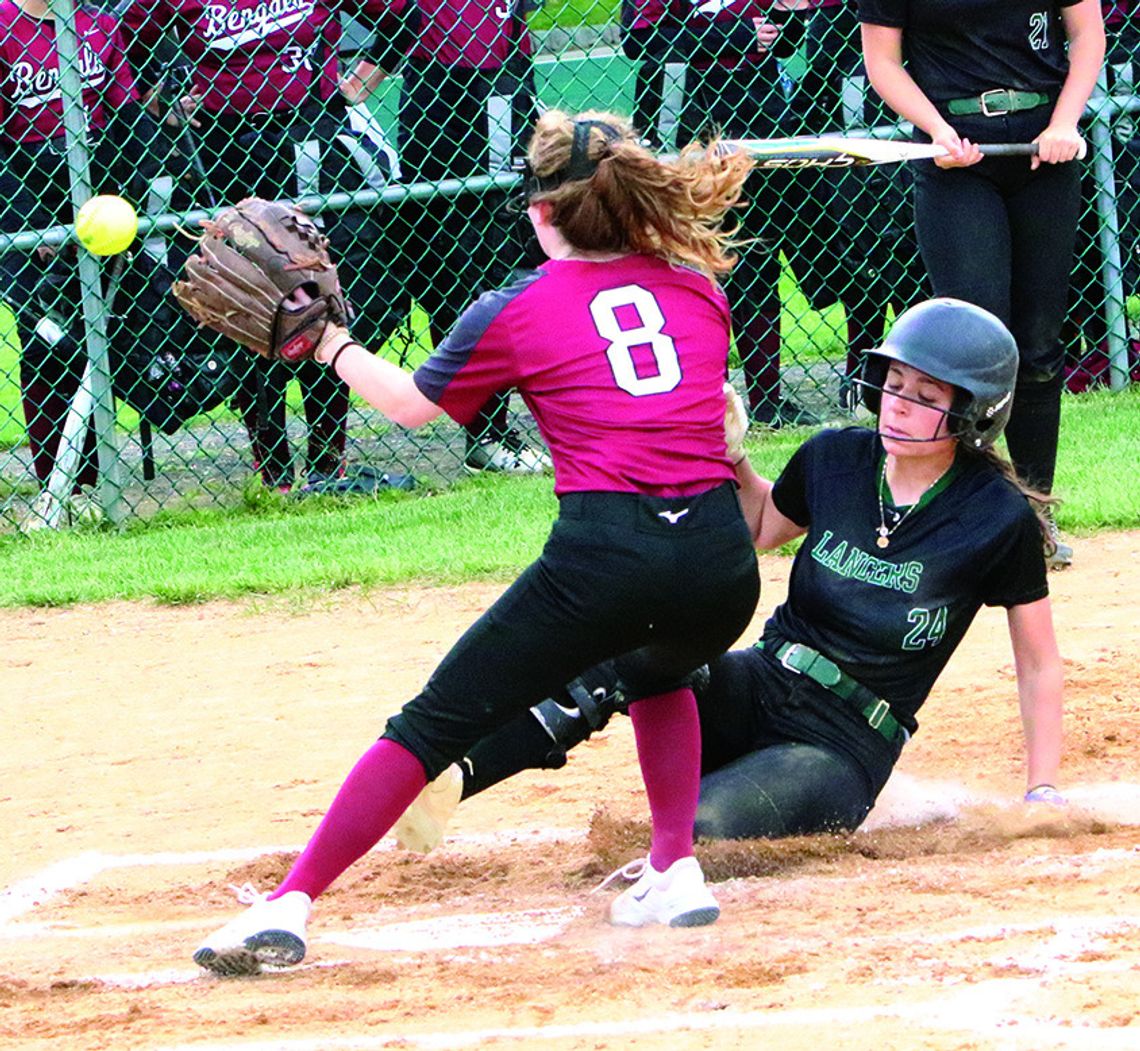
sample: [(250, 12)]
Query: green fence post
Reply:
[(94, 395), (1101, 108)]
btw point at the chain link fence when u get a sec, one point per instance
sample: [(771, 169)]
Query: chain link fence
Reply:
[(401, 127)]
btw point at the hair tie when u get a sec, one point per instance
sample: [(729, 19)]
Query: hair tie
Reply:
[(580, 165)]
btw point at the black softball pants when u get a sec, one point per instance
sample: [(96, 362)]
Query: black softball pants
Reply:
[(615, 579), (34, 193), (448, 249), (780, 755), (1002, 236)]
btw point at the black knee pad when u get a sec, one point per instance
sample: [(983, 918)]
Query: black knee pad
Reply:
[(580, 708)]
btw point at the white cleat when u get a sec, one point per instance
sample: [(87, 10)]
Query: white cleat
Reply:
[(420, 827), (676, 897), (267, 934), (509, 456)]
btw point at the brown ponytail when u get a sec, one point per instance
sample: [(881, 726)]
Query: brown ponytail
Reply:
[(1042, 503), (629, 200)]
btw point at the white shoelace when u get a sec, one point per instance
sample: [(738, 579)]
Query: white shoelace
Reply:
[(248, 894), (631, 870)]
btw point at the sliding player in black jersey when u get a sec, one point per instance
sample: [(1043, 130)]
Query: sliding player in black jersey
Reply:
[(908, 531)]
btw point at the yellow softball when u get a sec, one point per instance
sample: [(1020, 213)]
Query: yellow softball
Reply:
[(106, 225)]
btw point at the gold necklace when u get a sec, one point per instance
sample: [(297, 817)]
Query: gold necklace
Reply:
[(885, 534)]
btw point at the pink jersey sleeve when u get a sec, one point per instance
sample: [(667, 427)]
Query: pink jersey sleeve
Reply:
[(621, 363)]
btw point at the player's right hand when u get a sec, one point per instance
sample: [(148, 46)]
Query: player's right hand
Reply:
[(1057, 144), (960, 153), (766, 33), (735, 424)]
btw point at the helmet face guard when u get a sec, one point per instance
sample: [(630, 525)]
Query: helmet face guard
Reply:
[(956, 343), (872, 381)]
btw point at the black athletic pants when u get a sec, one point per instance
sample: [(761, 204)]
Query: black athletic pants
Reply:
[(34, 194), (615, 579), (780, 755), (1002, 236), (451, 248), (746, 101)]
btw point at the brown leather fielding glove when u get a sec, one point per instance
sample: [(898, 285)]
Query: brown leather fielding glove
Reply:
[(262, 276)]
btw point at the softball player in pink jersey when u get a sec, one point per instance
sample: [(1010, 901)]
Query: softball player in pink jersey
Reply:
[(619, 347)]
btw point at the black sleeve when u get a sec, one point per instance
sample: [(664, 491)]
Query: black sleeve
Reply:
[(793, 29), (1018, 576), (394, 35), (694, 39), (883, 12), (137, 149), (635, 42), (147, 59)]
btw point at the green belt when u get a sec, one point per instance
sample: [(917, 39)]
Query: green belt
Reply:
[(997, 102), (803, 660)]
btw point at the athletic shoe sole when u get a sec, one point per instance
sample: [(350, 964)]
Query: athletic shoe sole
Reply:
[(265, 949), (696, 918)]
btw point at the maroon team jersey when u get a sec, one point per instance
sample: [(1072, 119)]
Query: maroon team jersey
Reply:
[(32, 107), (473, 34), (622, 364), (252, 56), (1116, 12)]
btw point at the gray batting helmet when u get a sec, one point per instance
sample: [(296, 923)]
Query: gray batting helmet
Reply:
[(960, 344)]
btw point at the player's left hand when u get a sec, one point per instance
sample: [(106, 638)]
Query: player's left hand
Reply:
[(1057, 144), (244, 282), (1045, 794)]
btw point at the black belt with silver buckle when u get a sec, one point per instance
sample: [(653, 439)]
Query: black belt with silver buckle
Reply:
[(803, 660), (997, 102)]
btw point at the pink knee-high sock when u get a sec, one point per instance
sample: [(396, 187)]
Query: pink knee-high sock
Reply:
[(376, 792), (668, 735)]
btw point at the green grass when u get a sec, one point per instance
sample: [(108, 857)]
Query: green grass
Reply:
[(567, 14), (479, 529), (1097, 474)]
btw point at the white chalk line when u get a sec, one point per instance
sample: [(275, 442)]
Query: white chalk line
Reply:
[(1065, 937), (905, 801), (990, 1006), (1066, 940), (22, 897), (1070, 938), (984, 1007), (443, 934), (908, 801), (478, 931)]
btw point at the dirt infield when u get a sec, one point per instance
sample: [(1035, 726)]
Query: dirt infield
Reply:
[(154, 756)]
